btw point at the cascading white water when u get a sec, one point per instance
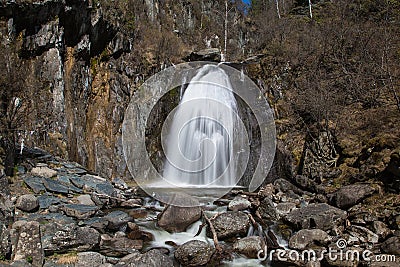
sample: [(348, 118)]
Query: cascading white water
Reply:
[(199, 147)]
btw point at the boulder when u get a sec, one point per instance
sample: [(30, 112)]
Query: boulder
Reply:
[(89, 259), (85, 200), (35, 183), (58, 238), (321, 216), (363, 234), (194, 253), (268, 210), (118, 220), (28, 243), (250, 246), (55, 186), (43, 172), (27, 203), (118, 246), (152, 258), (285, 186), (391, 246), (305, 237), (48, 200), (230, 224), (239, 203), (381, 229), (350, 195), (5, 246), (178, 218), (79, 211), (209, 54), (284, 208)]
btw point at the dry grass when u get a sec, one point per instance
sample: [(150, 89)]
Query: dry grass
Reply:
[(69, 258)]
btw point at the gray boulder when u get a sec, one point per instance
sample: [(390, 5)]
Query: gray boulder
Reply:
[(381, 229), (79, 211), (230, 224), (239, 203), (27, 203), (391, 245), (178, 218), (194, 253), (152, 258), (305, 237), (250, 246), (363, 234), (90, 259), (27, 242), (118, 220), (268, 210), (350, 195), (68, 237), (321, 216), (118, 246)]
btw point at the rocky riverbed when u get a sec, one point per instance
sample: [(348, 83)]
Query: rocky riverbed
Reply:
[(57, 213)]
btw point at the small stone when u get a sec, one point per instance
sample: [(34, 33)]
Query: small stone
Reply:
[(119, 183), (132, 203), (85, 200), (27, 203), (43, 172), (139, 213)]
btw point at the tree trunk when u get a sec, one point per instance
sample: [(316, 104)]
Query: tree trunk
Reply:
[(309, 5), (277, 8)]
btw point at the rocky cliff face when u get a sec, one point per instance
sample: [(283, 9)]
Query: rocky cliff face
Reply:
[(63, 43), (89, 56)]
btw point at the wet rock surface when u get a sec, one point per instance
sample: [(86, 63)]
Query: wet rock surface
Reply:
[(177, 219)]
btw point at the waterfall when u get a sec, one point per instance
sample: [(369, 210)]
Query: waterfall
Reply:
[(199, 146)]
